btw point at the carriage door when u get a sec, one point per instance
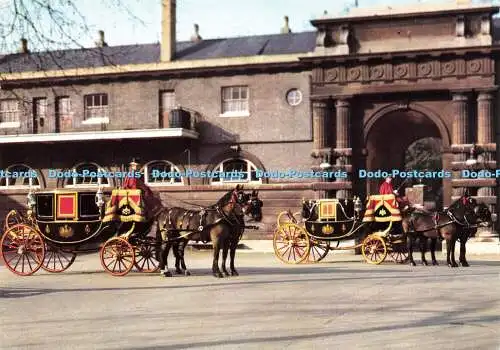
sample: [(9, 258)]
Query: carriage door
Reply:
[(40, 116)]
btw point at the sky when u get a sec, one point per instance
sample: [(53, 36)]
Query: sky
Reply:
[(139, 21)]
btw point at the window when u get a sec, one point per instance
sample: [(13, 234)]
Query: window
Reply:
[(167, 103), (235, 171), (235, 101), (96, 109), (158, 173), (10, 114), (85, 175), (294, 97), (20, 176), (64, 112)]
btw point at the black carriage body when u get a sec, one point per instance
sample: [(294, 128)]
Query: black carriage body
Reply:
[(336, 220), (69, 217)]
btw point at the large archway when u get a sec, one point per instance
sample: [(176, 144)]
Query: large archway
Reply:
[(389, 133)]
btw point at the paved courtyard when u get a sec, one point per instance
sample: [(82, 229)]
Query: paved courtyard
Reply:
[(339, 304)]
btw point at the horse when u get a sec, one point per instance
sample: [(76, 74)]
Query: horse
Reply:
[(251, 206), (177, 226), (457, 223)]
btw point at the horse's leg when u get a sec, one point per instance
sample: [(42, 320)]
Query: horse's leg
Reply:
[(177, 254), (182, 250), (232, 253), (215, 264), (433, 251), (452, 262), (409, 245), (164, 260), (461, 258), (225, 250), (422, 240)]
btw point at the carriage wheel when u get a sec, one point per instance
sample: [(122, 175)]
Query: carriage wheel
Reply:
[(318, 251), (291, 243), (12, 218), (374, 249), (23, 249), (57, 259), (117, 256), (400, 255), (145, 258)]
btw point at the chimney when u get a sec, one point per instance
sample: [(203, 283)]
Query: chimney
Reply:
[(101, 42), (196, 36), (286, 29), (168, 30), (24, 46)]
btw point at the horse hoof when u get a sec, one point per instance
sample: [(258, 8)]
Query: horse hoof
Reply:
[(179, 272), (412, 263), (425, 263), (234, 273), (218, 275), (226, 274), (187, 273), (453, 265), (435, 263), (464, 263), (166, 274)]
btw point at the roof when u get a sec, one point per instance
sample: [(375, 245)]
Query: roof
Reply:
[(277, 44)]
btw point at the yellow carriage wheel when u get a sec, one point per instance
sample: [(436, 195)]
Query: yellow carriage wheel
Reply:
[(291, 243), (374, 249)]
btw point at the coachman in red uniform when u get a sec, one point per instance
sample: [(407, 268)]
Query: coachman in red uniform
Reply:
[(152, 202), (386, 187)]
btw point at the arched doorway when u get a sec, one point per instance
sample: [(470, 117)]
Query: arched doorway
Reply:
[(391, 131)]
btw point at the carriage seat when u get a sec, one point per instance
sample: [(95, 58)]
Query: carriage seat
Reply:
[(382, 208), (125, 205)]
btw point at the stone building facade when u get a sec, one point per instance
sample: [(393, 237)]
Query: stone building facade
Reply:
[(355, 93)]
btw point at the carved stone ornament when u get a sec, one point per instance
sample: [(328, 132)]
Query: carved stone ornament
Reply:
[(424, 69), (332, 74), (474, 66), (376, 72), (354, 73), (401, 71), (449, 68)]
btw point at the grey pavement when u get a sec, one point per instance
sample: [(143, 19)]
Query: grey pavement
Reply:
[(342, 303)]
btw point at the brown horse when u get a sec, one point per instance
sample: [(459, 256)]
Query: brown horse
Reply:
[(177, 226), (457, 223)]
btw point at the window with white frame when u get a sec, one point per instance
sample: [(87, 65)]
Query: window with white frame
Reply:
[(294, 97), (19, 176), (162, 173), (86, 175), (235, 100), (235, 170), (96, 108), (10, 112)]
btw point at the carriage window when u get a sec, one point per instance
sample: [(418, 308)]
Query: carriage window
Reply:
[(85, 175), (162, 173), (20, 176), (236, 171), (86, 206), (45, 206)]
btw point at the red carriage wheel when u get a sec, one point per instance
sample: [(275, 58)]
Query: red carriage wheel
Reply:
[(291, 243), (57, 259), (23, 249), (318, 251), (374, 249), (117, 256), (145, 258)]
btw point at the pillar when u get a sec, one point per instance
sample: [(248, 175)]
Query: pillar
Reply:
[(319, 127), (343, 139), (460, 130)]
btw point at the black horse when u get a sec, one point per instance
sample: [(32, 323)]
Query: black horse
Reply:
[(457, 223), (216, 223)]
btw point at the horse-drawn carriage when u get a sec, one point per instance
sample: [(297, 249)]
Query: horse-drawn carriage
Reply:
[(334, 220), (60, 224)]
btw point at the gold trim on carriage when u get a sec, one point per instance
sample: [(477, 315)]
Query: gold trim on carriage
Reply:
[(382, 208), (125, 205)]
